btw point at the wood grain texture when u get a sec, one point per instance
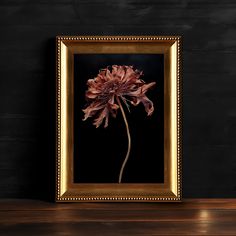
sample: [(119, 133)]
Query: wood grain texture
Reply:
[(192, 217), (27, 94)]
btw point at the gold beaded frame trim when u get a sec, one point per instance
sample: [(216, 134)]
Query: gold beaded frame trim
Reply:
[(66, 189)]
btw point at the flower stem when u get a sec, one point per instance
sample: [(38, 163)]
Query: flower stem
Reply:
[(129, 139)]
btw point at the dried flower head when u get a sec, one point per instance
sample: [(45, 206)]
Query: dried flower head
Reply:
[(104, 92)]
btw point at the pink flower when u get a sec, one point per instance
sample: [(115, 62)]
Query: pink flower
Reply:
[(121, 82)]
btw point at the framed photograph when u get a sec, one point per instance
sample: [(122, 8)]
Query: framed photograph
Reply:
[(118, 119)]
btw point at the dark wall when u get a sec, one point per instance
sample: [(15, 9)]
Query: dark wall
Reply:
[(27, 75)]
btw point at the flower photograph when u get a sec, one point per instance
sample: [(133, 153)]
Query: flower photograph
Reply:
[(118, 118)]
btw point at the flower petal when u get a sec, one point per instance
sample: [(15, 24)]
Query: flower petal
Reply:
[(103, 115), (139, 96), (92, 109), (108, 74), (148, 104)]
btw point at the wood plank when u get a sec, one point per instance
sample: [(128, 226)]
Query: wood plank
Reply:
[(189, 204), (192, 217)]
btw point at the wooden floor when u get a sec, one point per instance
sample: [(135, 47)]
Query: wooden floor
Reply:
[(191, 217)]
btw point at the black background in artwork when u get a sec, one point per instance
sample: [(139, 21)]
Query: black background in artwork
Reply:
[(27, 84), (99, 153)]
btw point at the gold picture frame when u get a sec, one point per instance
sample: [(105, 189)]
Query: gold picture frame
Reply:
[(67, 190)]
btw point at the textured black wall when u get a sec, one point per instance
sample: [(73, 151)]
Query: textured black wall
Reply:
[(28, 29)]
